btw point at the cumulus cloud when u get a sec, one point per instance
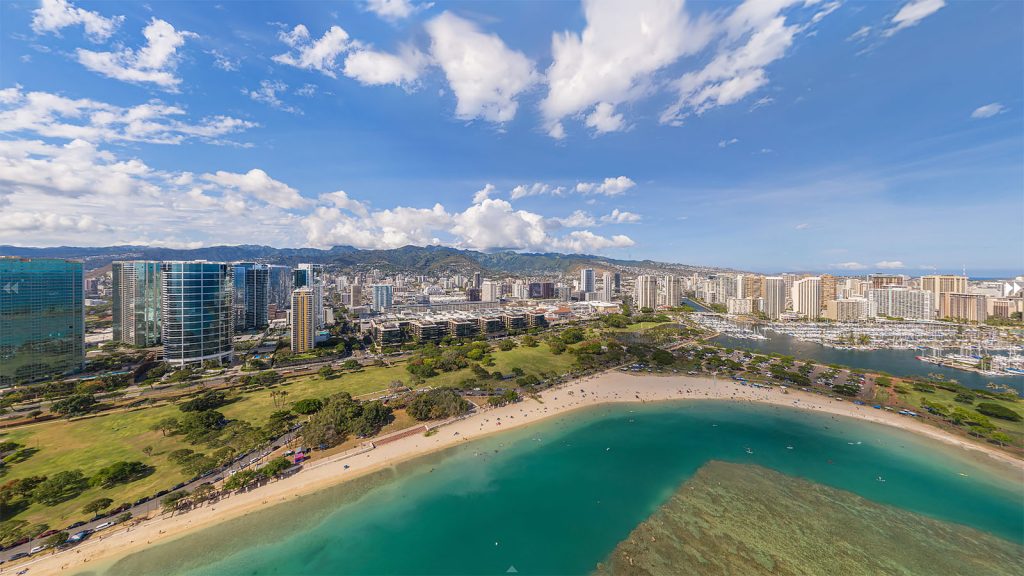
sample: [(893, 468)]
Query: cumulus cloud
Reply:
[(613, 59), (371, 67), (394, 10), (610, 186), (153, 63), (485, 74), (483, 193), (849, 266), (578, 219), (889, 264), (259, 184), (621, 217), (535, 189), (988, 110), (912, 13), (55, 15), (55, 116), (320, 55), (267, 93)]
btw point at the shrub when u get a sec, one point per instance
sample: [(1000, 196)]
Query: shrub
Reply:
[(997, 411)]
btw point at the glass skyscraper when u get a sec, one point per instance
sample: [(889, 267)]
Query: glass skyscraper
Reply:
[(280, 286), (136, 302), (197, 314), (42, 319), (251, 292)]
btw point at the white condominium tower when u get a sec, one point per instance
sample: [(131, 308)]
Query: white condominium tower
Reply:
[(606, 287), (673, 291), (807, 297), (774, 296), (646, 292)]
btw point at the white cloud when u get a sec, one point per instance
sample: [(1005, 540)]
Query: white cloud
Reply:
[(621, 217), (319, 55), (578, 219), (48, 222), (485, 75), (610, 186), (393, 10), (341, 199), (54, 15), (224, 62), (889, 264), (763, 101), (259, 184), (267, 94), (802, 226), (861, 33), (612, 61), (483, 193), (734, 73), (849, 266), (371, 67), (54, 116), (912, 13), (988, 110), (535, 189), (153, 63), (727, 143), (603, 119)]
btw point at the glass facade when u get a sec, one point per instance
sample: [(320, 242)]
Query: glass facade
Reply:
[(251, 292), (42, 319), (136, 303), (280, 286), (197, 312)]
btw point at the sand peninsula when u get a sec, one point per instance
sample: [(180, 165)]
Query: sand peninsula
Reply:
[(604, 388)]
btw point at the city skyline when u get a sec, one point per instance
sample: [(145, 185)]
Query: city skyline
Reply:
[(372, 135)]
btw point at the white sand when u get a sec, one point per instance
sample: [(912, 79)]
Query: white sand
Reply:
[(609, 387)]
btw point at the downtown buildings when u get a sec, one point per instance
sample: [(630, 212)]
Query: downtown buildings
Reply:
[(137, 286), (42, 322)]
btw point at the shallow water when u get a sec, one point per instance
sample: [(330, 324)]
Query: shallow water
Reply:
[(557, 498)]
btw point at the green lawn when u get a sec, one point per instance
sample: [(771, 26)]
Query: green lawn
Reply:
[(1014, 429), (91, 443)]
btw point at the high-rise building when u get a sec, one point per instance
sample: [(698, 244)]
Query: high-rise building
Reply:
[(606, 287), (279, 283), (303, 320), (774, 296), (883, 280), (901, 302), (42, 319), (383, 297), (250, 300), (490, 291), (829, 286), (847, 309), (587, 280), (740, 306), (942, 284), (312, 275), (646, 291), (673, 291), (136, 302), (807, 297), (752, 286), (197, 318), (964, 307), (356, 294), (617, 282), (477, 280)]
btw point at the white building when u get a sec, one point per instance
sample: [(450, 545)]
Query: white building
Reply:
[(490, 291), (774, 297), (899, 302), (607, 287), (383, 297), (673, 291), (740, 306), (807, 297), (646, 292), (587, 280), (847, 309)]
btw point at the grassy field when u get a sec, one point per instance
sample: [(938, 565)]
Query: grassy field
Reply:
[(1014, 430), (89, 444)]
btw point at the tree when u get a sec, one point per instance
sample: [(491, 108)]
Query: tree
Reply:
[(308, 406), (124, 517), (75, 405), (663, 357), (147, 450), (56, 540), (1001, 438), (997, 411), (375, 415), (276, 466), (556, 346), (529, 341), (205, 401), (242, 479), (326, 372), (97, 505), (60, 487), (170, 502), (165, 425), (437, 403), (120, 473)]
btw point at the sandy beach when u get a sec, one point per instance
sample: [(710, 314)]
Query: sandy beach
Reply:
[(610, 387)]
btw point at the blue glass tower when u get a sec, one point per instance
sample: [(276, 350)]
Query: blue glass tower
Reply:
[(197, 313), (42, 319)]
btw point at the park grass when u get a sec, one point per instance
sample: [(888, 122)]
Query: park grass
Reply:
[(91, 443), (1014, 430), (639, 327)]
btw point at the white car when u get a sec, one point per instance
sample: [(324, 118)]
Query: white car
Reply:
[(103, 526), (39, 548)]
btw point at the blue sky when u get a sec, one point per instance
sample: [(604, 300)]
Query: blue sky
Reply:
[(769, 135)]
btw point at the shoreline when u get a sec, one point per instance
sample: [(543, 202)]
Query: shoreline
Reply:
[(611, 387)]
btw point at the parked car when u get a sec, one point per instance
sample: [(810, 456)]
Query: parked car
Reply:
[(19, 556)]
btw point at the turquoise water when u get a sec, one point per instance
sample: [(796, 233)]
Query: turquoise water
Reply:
[(558, 497)]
